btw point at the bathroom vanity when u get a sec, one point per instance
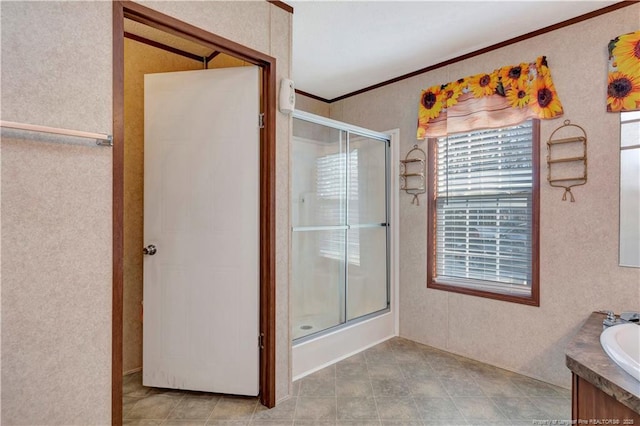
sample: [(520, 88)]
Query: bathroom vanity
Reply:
[(602, 392)]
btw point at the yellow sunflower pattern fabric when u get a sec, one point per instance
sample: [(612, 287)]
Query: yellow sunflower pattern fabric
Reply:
[(623, 86), (505, 97)]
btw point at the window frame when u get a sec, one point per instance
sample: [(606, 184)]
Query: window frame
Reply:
[(432, 282)]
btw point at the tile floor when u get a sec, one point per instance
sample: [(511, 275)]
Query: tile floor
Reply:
[(397, 382)]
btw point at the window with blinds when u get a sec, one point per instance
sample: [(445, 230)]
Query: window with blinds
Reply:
[(482, 211), (331, 186)]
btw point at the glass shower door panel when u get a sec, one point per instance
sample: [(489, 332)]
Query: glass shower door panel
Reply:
[(318, 281), (367, 180), (367, 271), (318, 187), (367, 218)]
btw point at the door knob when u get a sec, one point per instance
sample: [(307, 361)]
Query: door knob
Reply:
[(150, 250)]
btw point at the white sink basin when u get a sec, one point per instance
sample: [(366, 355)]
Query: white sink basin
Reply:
[(622, 344)]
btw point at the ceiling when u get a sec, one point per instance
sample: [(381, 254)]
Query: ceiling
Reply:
[(340, 47)]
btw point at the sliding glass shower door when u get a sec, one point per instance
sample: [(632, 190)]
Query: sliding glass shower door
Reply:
[(340, 224)]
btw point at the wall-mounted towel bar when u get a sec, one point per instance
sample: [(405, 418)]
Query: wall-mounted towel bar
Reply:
[(101, 139)]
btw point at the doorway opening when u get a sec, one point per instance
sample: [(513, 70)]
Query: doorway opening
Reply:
[(177, 46)]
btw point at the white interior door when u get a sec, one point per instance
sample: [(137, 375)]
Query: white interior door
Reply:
[(201, 212)]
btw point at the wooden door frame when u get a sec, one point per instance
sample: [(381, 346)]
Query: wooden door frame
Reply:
[(131, 10)]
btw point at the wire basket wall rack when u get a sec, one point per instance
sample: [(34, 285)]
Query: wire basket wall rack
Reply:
[(556, 161), (413, 171)]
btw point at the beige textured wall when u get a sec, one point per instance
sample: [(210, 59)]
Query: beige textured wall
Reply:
[(140, 59), (314, 106), (225, 61), (56, 200), (579, 241), (56, 211)]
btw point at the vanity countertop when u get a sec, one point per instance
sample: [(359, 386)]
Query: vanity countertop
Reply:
[(586, 358)]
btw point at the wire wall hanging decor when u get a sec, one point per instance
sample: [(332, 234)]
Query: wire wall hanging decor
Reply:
[(567, 159), (413, 173)]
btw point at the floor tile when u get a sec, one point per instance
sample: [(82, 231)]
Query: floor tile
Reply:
[(442, 358), (380, 355), (399, 382), (427, 386), (194, 407), (398, 409), (519, 408), (318, 386), (356, 409), (167, 392), (427, 350), (234, 408), (258, 422), (384, 371), (447, 368), (499, 387), (483, 371), (326, 373), (295, 388), (417, 369), (283, 411), (155, 407), (401, 342), (555, 408), (127, 404), (315, 408), (351, 370), (353, 388), (132, 386), (408, 355), (390, 387), (533, 387), (438, 410), (457, 386), (478, 408), (562, 392), (357, 358)]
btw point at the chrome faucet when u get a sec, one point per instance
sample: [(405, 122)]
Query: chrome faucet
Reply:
[(625, 317), (630, 317), (609, 320)]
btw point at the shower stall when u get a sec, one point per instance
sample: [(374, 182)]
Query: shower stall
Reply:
[(341, 234)]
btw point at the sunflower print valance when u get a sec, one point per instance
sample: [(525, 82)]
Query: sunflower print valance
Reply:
[(505, 97), (623, 88)]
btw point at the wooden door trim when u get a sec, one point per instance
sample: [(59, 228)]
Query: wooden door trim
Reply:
[(118, 215), (122, 9)]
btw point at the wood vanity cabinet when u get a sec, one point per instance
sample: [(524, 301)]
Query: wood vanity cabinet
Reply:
[(591, 406)]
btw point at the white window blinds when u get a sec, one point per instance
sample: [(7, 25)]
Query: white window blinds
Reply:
[(484, 196), (332, 183)]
